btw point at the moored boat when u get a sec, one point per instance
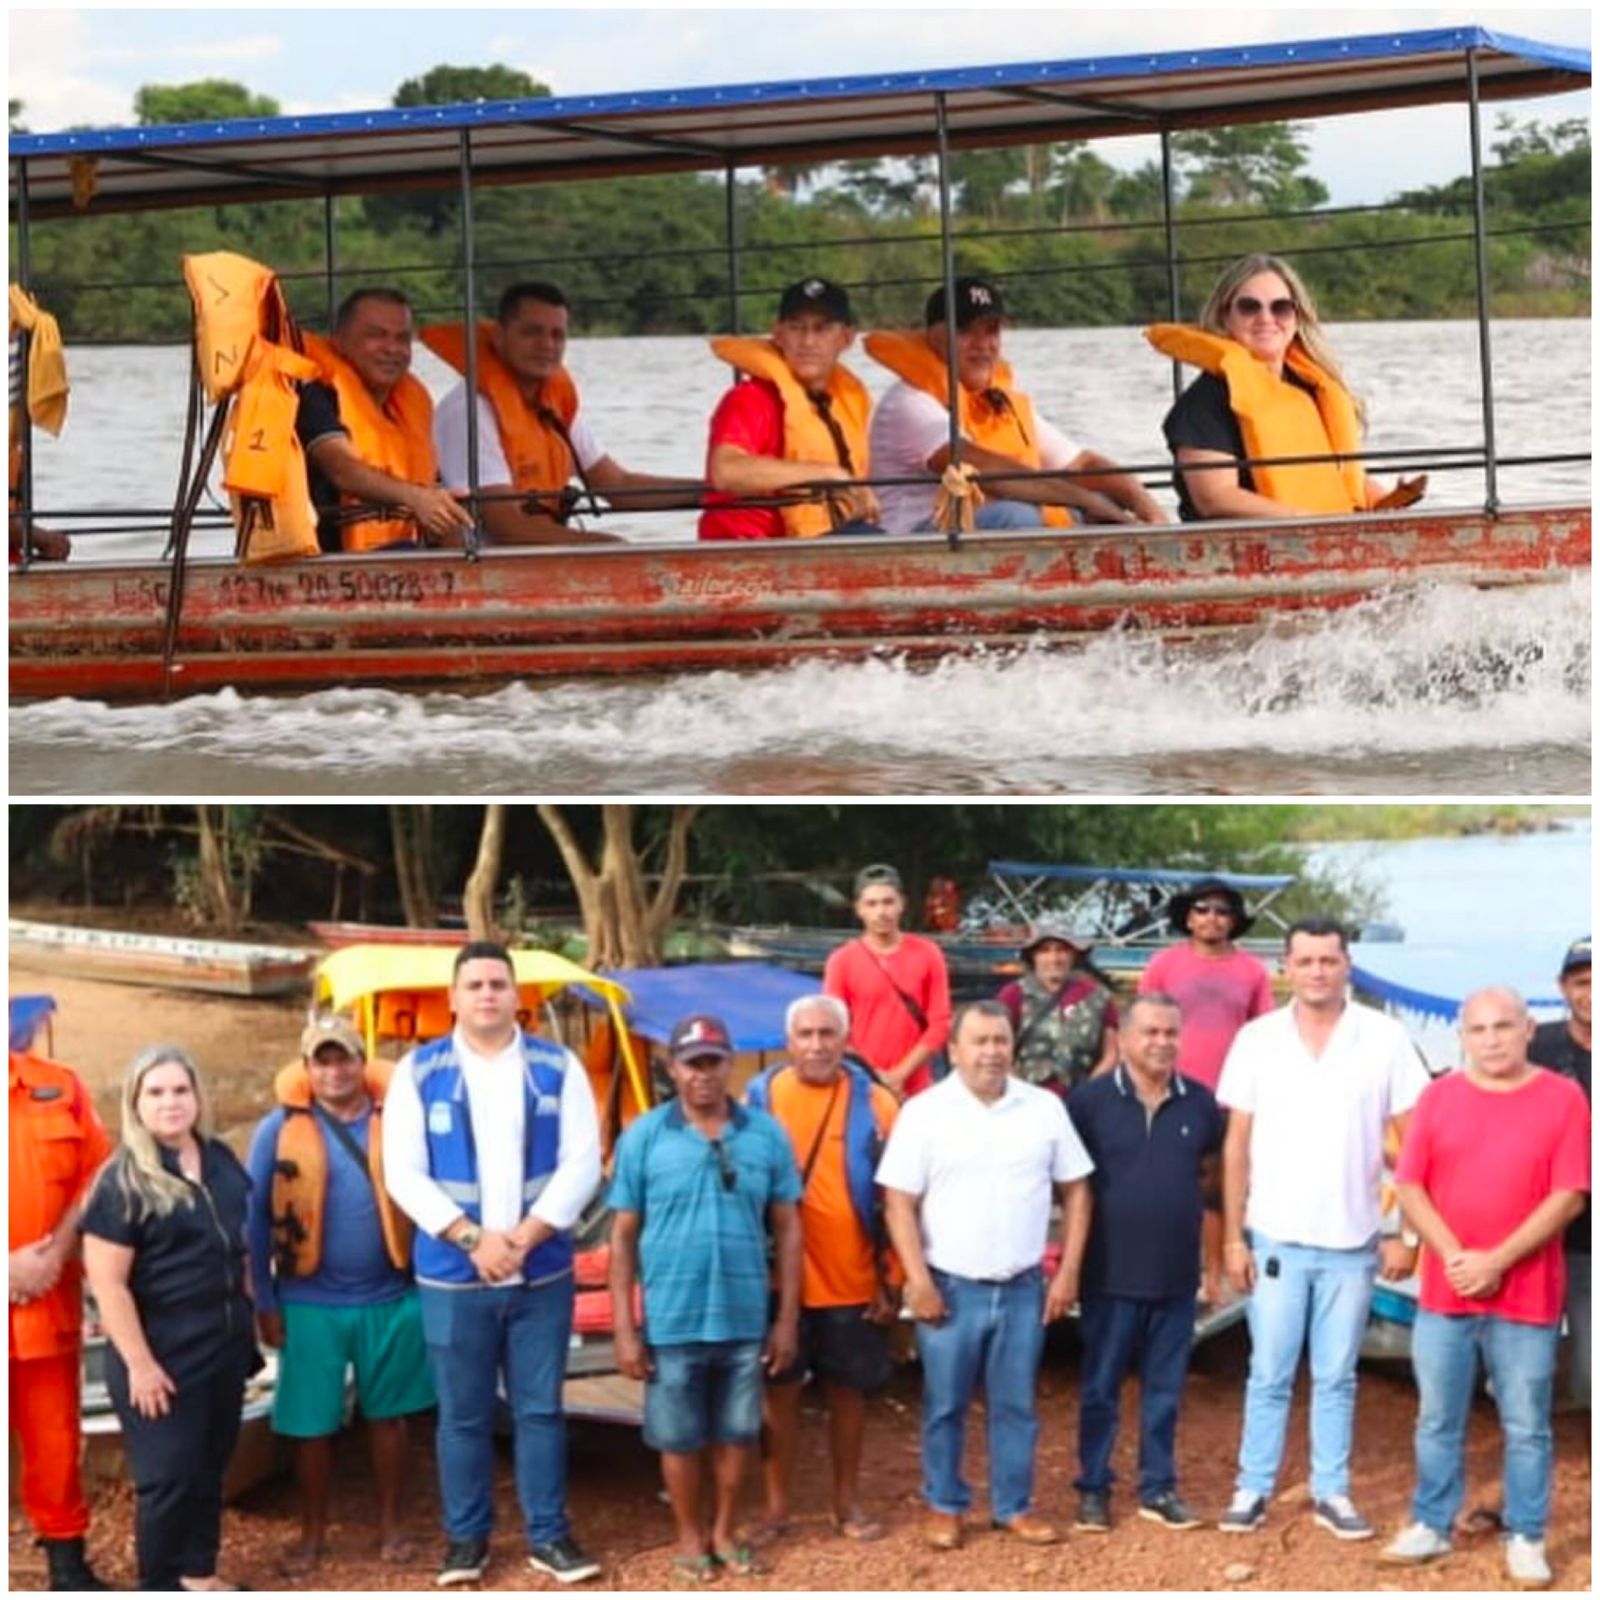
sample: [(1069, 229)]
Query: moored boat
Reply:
[(213, 966), (139, 630)]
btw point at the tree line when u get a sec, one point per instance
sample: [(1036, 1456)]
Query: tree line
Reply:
[(1076, 241)]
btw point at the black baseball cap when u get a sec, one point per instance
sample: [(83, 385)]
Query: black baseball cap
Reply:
[(878, 873), (1578, 955), (816, 294), (975, 297), (699, 1036)]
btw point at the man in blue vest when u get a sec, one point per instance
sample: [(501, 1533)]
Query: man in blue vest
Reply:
[(837, 1120), (491, 1145)]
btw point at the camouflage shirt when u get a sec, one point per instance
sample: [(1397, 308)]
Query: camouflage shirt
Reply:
[(1064, 1043)]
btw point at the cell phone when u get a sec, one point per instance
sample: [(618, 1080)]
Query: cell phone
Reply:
[(1272, 1266)]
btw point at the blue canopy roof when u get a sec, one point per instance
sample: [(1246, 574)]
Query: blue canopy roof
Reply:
[(749, 996), (1157, 876), (810, 121)]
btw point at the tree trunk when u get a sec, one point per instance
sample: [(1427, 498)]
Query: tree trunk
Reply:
[(411, 829), (478, 897), (216, 881)]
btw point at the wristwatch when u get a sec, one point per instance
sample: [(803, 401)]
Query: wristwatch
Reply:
[(468, 1238), (1410, 1239)]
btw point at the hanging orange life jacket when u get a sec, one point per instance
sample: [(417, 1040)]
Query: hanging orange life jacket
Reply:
[(396, 438), (806, 435), (246, 351), (1278, 418), (1006, 426), (300, 1175), (536, 450)]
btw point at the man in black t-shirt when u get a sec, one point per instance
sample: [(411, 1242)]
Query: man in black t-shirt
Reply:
[(1563, 1046)]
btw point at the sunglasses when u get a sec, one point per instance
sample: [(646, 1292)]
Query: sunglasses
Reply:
[(725, 1167), (1282, 310), (1213, 908)]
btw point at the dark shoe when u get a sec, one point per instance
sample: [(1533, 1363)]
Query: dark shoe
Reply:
[(465, 1561), (562, 1560), (1094, 1512), (942, 1530), (1341, 1518), (1169, 1511), (1246, 1512), (69, 1568), (1031, 1529)]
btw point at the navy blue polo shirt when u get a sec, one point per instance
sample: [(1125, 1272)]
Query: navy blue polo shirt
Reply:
[(1144, 1240)]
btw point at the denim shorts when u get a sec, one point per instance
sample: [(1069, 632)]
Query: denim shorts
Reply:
[(703, 1394)]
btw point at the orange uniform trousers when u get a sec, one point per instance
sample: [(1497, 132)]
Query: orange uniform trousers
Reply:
[(44, 1416)]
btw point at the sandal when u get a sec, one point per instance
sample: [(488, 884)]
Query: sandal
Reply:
[(694, 1570), (858, 1526), (741, 1561)]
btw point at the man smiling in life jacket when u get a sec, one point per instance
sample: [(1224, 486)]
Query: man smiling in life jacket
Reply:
[(330, 1258), (367, 431), (999, 428), (531, 435), (796, 417)]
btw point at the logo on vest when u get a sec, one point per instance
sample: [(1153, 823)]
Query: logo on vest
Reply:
[(439, 1117)]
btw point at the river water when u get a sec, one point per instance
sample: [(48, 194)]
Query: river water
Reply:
[(1447, 690)]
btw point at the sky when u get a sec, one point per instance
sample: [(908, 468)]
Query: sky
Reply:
[(75, 66)]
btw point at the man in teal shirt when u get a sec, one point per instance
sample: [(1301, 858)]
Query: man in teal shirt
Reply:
[(698, 1185)]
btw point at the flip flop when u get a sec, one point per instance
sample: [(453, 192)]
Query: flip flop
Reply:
[(741, 1561), (858, 1526), (694, 1570)]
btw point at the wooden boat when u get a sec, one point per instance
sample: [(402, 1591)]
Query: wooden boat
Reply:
[(213, 966), (339, 935), (142, 630)]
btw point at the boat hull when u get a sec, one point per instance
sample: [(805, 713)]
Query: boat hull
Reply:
[(430, 618)]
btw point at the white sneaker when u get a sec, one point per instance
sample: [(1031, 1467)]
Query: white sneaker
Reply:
[(1525, 1562), (1414, 1545)]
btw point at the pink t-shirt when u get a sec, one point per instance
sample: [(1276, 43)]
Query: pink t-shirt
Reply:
[(1486, 1161), (882, 1028), (749, 415), (1217, 997)]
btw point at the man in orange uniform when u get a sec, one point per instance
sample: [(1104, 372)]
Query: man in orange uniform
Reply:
[(57, 1145), (895, 984), (837, 1120)]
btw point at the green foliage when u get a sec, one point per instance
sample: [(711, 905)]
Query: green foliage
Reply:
[(208, 100), (1255, 164), (450, 86)]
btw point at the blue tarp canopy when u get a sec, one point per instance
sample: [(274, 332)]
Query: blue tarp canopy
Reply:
[(1158, 876), (803, 122), (29, 1013), (749, 996)]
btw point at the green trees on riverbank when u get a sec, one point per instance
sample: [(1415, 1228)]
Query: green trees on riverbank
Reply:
[(1076, 241)]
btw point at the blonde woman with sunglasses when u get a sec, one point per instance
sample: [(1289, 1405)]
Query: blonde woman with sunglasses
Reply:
[(1269, 428)]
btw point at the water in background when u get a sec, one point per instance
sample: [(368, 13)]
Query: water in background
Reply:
[(1444, 690)]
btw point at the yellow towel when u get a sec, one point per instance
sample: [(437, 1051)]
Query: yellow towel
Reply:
[(47, 365)]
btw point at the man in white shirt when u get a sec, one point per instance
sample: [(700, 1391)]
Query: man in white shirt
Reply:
[(1001, 433), (968, 1176), (532, 436), (491, 1145), (1311, 1090)]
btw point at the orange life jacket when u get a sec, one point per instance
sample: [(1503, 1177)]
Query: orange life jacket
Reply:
[(247, 354), (1278, 418), (300, 1175), (396, 438), (1008, 428), (536, 450), (806, 435)]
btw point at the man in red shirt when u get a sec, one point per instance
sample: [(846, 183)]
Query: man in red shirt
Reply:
[(1495, 1164), (797, 417), (1218, 988), (895, 984)]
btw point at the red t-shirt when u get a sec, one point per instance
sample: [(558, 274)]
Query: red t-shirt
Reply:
[(1217, 997), (749, 415), (1486, 1160), (882, 1028)]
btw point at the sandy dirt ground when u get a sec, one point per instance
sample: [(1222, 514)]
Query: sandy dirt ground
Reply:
[(614, 1482)]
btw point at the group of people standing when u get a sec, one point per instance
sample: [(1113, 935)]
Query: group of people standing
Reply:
[(415, 1226)]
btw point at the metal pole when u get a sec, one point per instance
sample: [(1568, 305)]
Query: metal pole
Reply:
[(25, 421), (329, 258), (731, 233), (469, 332), (947, 264), (1169, 220), (1491, 488)]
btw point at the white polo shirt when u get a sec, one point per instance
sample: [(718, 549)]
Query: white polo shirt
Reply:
[(984, 1173), (1316, 1144), (450, 441)]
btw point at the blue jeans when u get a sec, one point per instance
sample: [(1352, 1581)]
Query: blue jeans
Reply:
[(703, 1394), (1326, 1294), (1000, 514), (474, 1335), (1520, 1358), (993, 1334), (1116, 1334)]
